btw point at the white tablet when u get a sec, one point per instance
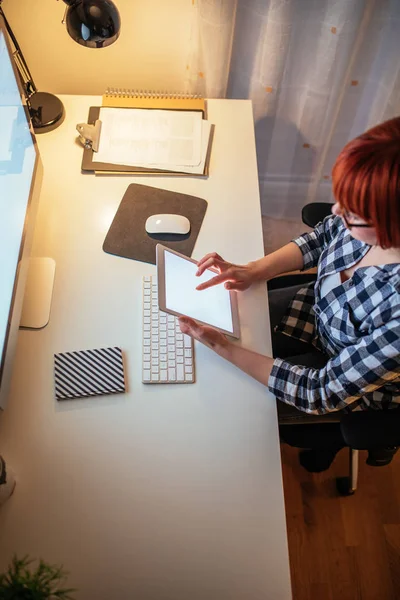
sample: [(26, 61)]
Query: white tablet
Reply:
[(177, 294)]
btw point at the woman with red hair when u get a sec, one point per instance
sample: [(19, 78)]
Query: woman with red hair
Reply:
[(344, 352)]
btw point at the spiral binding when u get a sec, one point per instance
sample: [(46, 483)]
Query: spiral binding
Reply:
[(127, 93)]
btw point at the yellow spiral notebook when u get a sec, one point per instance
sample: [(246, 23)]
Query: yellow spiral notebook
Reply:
[(123, 98)]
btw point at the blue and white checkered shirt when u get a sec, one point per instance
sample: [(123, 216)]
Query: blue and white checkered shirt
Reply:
[(357, 325)]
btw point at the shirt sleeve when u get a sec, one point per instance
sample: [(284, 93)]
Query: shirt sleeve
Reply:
[(312, 244), (355, 372)]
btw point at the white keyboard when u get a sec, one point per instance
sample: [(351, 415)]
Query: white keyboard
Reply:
[(168, 354)]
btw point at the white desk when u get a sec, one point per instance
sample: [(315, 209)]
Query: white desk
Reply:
[(165, 492)]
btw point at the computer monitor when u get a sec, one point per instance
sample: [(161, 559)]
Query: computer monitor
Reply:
[(20, 179)]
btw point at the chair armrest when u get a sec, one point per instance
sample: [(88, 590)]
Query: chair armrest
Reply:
[(371, 429), (284, 281)]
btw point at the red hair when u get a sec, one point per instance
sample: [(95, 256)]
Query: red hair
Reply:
[(366, 180)]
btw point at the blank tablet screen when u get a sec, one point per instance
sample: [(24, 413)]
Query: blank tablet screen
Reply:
[(212, 306)]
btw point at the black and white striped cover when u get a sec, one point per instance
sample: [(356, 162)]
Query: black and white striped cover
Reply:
[(88, 373)]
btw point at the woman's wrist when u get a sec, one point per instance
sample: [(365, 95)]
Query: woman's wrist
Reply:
[(258, 270), (224, 349)]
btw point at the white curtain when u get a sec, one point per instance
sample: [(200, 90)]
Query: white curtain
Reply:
[(319, 72)]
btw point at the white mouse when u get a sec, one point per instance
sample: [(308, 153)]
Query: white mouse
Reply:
[(167, 224)]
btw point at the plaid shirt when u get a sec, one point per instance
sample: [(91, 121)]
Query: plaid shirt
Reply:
[(357, 325)]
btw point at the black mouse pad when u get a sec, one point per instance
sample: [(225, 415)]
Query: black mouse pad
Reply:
[(127, 235)]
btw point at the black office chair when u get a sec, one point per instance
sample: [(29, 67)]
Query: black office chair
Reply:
[(375, 431)]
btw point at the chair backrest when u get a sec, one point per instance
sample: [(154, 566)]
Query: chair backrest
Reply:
[(315, 212)]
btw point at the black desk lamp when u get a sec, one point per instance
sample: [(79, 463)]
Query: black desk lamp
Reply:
[(91, 23)]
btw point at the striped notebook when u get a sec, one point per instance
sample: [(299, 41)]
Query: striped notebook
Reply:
[(88, 373)]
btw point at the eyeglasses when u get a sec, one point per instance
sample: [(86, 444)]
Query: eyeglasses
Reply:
[(350, 225)]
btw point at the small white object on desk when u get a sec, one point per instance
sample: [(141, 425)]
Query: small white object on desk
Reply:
[(168, 354), (177, 224)]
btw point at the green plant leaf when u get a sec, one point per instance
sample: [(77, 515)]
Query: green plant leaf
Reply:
[(23, 582)]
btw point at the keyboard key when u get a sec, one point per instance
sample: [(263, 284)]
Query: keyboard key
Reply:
[(187, 341), (171, 374), (163, 375), (188, 352), (180, 374), (189, 377), (179, 360), (146, 375)]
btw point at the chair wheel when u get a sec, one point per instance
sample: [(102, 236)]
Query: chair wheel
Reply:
[(343, 486)]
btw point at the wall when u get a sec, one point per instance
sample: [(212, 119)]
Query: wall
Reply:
[(151, 52)]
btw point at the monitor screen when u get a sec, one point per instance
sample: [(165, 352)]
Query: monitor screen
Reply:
[(18, 166)]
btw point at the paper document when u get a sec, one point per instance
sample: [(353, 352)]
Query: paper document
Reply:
[(198, 170), (145, 137)]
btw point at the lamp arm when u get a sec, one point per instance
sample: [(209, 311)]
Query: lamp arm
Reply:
[(20, 61)]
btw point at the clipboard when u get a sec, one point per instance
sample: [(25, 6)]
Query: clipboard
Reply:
[(100, 168)]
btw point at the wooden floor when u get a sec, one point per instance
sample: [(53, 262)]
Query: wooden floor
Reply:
[(343, 548)]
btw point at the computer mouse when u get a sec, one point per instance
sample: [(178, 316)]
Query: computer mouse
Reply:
[(168, 224)]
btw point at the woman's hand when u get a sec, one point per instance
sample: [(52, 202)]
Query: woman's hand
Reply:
[(236, 277), (254, 364), (208, 336)]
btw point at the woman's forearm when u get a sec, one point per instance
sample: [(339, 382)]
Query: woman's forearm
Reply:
[(254, 364), (288, 258)]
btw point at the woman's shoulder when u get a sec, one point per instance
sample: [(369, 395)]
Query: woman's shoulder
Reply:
[(390, 274)]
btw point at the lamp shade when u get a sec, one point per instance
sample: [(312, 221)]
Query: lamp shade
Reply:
[(93, 23)]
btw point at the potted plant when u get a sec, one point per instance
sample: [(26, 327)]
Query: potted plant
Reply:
[(22, 582)]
